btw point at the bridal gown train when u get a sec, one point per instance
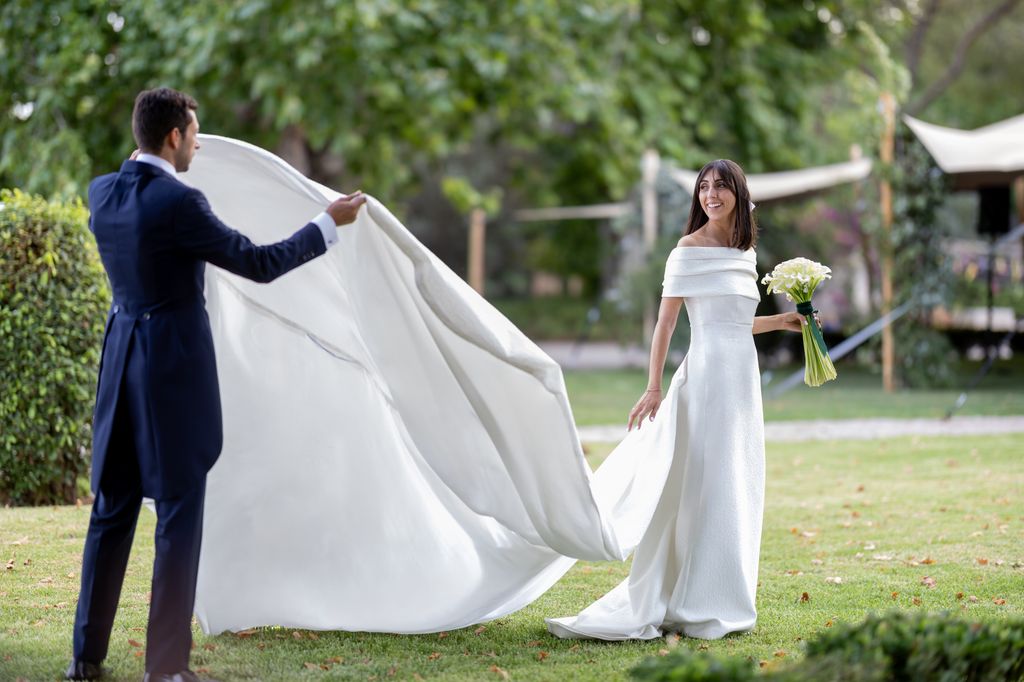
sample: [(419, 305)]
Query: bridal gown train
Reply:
[(695, 570), (398, 457)]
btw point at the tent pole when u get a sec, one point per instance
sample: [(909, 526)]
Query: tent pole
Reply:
[(477, 233), (649, 166), (885, 192)]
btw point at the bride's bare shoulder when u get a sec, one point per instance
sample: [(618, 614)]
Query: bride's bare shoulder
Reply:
[(688, 240)]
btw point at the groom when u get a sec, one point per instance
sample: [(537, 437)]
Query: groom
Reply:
[(157, 423)]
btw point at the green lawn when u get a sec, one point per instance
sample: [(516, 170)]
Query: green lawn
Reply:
[(605, 396), (879, 515)]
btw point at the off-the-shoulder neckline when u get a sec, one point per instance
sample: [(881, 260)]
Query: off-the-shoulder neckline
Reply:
[(729, 248)]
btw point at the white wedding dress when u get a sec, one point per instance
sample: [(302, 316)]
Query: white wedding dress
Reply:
[(398, 457), (695, 570)]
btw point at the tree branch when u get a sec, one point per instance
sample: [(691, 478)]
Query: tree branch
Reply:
[(959, 60), (915, 45)]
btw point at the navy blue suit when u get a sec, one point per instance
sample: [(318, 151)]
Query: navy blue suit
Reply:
[(157, 427)]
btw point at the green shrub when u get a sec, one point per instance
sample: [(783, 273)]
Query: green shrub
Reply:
[(916, 646), (683, 665), (897, 647), (53, 296)]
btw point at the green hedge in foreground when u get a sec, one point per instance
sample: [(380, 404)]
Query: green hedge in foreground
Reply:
[(53, 298), (897, 646)]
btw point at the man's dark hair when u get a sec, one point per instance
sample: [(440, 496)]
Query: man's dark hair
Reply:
[(158, 112)]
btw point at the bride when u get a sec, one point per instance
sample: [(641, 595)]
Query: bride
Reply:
[(398, 457), (695, 570)]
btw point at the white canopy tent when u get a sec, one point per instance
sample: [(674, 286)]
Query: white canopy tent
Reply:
[(991, 155), (789, 184)]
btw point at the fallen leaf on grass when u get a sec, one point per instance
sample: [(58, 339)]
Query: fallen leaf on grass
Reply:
[(245, 634), (479, 630), (19, 541), (916, 601), (500, 672), (998, 602), (972, 599), (535, 642), (834, 579), (334, 660), (981, 561), (46, 581), (816, 562), (828, 623), (663, 652), (296, 634), (762, 664), (959, 595), (541, 655), (311, 666), (442, 635), (928, 560), (434, 656), (780, 654), (882, 557), (132, 642), (210, 647), (805, 597), (10, 565), (794, 571), (928, 582)]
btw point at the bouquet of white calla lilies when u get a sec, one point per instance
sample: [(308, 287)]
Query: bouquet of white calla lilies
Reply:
[(797, 278)]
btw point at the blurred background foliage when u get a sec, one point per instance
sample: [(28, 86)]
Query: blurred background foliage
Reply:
[(436, 106)]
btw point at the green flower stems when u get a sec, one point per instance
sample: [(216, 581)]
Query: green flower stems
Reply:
[(818, 366)]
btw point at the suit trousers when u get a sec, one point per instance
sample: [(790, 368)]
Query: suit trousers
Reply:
[(108, 542)]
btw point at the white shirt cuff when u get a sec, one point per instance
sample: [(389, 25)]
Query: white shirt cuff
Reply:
[(327, 227)]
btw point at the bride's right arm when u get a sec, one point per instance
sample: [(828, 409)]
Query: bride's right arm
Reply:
[(647, 406)]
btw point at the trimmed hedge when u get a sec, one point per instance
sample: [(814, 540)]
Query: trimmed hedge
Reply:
[(53, 299), (896, 646)]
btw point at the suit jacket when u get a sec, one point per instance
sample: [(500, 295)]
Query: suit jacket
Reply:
[(155, 236)]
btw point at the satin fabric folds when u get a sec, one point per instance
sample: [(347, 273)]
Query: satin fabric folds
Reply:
[(695, 569), (397, 456)]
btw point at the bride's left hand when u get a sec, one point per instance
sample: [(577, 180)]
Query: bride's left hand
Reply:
[(794, 321)]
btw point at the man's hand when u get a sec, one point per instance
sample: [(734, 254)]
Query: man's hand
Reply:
[(345, 209)]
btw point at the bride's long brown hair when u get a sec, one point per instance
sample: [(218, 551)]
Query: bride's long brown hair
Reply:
[(744, 234)]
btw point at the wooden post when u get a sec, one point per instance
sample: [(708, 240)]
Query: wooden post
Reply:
[(477, 234), (649, 165), (885, 192)]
